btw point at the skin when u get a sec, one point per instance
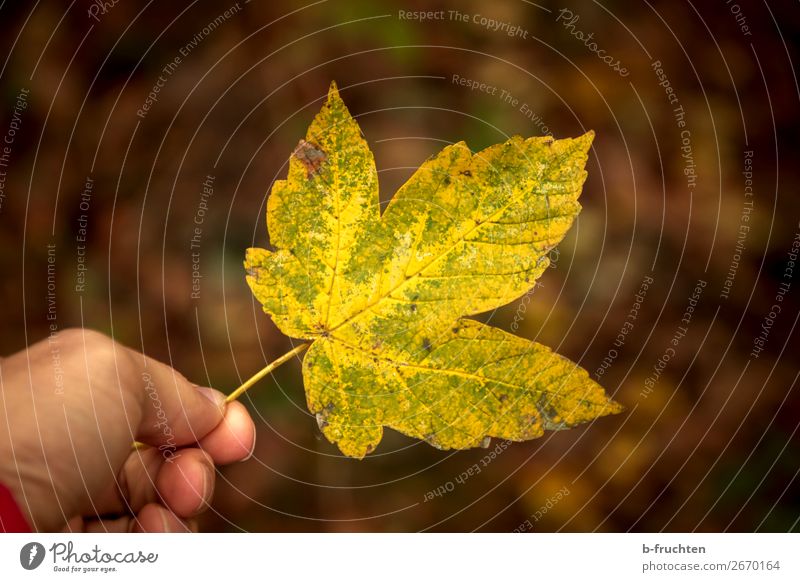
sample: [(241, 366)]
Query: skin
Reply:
[(66, 447)]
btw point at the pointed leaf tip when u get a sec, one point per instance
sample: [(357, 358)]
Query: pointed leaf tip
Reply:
[(333, 91)]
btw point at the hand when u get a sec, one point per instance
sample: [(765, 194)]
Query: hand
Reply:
[(71, 407)]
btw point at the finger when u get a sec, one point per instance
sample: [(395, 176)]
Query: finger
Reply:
[(161, 520), (186, 482), (234, 439), (74, 525), (118, 525), (155, 518), (135, 484), (175, 412), (79, 524)]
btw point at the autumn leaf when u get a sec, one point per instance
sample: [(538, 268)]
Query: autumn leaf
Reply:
[(383, 296)]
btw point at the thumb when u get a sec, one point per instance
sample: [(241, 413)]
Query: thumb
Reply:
[(174, 411)]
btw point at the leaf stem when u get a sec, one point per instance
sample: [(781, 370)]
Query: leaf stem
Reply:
[(264, 371), (252, 380)]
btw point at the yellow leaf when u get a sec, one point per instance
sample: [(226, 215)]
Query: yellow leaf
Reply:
[(383, 297)]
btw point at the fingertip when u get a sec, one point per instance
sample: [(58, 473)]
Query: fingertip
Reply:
[(217, 398), (204, 418), (234, 439)]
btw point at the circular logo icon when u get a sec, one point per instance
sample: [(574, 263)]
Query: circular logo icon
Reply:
[(31, 555)]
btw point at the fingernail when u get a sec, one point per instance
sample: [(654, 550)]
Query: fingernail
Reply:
[(252, 450), (208, 487), (215, 396), (164, 524)]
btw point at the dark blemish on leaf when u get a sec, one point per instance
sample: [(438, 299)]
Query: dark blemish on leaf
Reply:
[(503, 397), (466, 173), (446, 181), (311, 156), (322, 421), (370, 448), (413, 307), (456, 329), (426, 344), (377, 345), (322, 416)]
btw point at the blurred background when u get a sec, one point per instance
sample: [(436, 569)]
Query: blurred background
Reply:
[(113, 117)]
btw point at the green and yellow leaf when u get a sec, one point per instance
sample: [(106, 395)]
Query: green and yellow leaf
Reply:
[(383, 296)]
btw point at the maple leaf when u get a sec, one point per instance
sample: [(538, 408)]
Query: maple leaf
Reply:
[(383, 296)]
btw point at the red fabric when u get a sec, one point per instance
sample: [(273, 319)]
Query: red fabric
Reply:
[(11, 518)]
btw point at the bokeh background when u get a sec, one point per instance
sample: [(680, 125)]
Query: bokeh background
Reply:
[(711, 446)]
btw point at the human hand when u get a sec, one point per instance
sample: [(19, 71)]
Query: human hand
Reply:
[(70, 408)]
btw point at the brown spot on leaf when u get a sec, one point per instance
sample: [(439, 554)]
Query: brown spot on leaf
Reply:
[(322, 415), (311, 156), (322, 421)]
